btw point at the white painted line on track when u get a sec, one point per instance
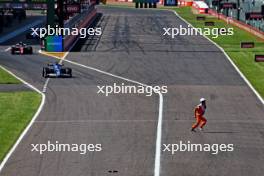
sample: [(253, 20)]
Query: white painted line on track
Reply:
[(160, 117), (44, 90), (229, 59), (159, 137), (8, 49), (30, 123), (159, 127)]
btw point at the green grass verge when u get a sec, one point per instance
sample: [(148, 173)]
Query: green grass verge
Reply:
[(6, 78), (16, 111), (243, 58)]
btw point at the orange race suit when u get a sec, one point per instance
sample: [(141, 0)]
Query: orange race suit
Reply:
[(198, 113)]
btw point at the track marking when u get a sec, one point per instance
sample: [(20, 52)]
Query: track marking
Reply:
[(159, 127), (8, 49), (44, 90), (230, 60), (30, 123), (160, 117)]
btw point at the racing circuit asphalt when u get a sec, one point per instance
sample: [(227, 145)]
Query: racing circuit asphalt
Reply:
[(132, 46)]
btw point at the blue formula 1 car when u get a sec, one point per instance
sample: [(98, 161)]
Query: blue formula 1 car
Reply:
[(56, 70)]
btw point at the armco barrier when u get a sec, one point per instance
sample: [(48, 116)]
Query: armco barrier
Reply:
[(239, 24), (69, 40)]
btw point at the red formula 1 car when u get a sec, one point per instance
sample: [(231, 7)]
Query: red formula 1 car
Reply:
[(21, 48)]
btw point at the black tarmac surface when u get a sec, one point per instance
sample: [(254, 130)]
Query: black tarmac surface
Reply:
[(132, 46)]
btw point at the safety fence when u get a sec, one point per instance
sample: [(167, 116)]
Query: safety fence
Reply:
[(244, 26), (242, 7)]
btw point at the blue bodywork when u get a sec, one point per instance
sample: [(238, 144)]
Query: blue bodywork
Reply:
[(57, 69)]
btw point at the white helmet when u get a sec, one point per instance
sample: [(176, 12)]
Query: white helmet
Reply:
[(202, 100)]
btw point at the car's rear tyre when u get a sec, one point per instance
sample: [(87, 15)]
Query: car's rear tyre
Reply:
[(68, 71)]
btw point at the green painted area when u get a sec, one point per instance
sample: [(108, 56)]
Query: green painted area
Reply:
[(16, 111), (243, 58)]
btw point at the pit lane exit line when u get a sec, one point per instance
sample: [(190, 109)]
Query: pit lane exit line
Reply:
[(8, 49), (160, 116)]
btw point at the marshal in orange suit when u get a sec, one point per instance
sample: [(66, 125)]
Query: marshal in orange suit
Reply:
[(199, 112)]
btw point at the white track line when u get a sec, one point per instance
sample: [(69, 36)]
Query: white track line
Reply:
[(230, 60), (44, 90), (159, 127), (31, 122), (160, 118), (7, 49)]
